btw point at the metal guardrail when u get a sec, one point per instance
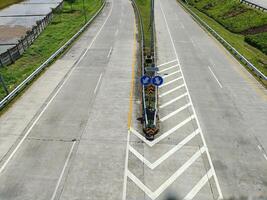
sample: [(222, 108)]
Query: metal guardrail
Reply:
[(142, 57), (22, 85), (253, 5), (238, 55)]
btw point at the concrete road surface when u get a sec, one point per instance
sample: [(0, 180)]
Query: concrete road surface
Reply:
[(65, 138), (213, 119), (262, 3)]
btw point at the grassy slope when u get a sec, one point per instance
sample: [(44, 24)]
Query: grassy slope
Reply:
[(5, 3), (144, 7), (62, 28), (235, 17)]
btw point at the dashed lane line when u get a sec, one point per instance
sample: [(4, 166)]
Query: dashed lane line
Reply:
[(166, 155), (215, 77), (98, 82)]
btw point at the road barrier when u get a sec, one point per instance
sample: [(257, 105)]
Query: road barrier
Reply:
[(23, 84), (149, 93), (14, 53), (229, 47), (254, 5)]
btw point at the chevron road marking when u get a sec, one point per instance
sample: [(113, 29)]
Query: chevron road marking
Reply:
[(167, 63), (171, 74), (164, 135), (199, 185), (170, 82), (169, 181), (172, 90), (175, 112), (168, 68), (173, 100), (166, 155)]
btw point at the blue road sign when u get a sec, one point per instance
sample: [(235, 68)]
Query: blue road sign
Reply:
[(145, 80), (157, 80)]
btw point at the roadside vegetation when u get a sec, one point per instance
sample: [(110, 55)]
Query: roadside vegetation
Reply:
[(63, 26), (145, 8), (245, 28), (5, 3)]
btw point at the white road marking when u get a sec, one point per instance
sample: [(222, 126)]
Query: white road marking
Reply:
[(265, 156), (215, 78), (164, 135), (173, 100), (175, 112), (169, 181), (259, 147), (170, 82), (166, 155), (98, 82), (110, 51), (199, 185), (173, 73), (126, 168), (172, 90), (166, 63), (201, 133), (63, 171), (167, 69), (52, 98), (194, 44)]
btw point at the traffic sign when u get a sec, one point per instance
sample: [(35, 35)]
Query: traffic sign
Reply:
[(157, 80), (145, 80)]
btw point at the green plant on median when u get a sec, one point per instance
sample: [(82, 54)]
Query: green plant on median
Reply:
[(57, 33)]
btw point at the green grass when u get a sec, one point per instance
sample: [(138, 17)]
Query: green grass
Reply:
[(254, 55), (58, 32), (144, 7), (233, 15), (259, 41), (5, 3)]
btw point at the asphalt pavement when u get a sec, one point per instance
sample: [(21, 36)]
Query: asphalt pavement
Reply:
[(65, 138)]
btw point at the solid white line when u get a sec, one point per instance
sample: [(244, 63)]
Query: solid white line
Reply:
[(166, 155), (170, 82), (168, 68), (199, 185), (56, 93), (173, 100), (215, 77), (176, 72), (201, 133), (63, 171), (166, 63), (109, 53), (172, 90), (98, 82), (167, 183), (126, 168), (175, 112)]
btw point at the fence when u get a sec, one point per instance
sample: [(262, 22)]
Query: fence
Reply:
[(253, 5), (14, 53)]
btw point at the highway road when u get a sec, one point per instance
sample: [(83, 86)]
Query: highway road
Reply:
[(65, 138), (262, 3), (213, 113)]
